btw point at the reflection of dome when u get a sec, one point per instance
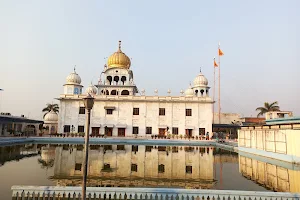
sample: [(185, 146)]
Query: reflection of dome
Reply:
[(200, 80), (47, 154), (189, 92), (91, 90), (73, 78), (51, 117), (119, 59)]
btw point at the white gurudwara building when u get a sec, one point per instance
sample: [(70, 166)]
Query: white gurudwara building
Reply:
[(121, 109)]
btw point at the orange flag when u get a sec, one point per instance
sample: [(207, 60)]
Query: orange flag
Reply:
[(215, 63), (220, 52)]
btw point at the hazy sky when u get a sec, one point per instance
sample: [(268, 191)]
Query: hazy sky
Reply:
[(168, 41)]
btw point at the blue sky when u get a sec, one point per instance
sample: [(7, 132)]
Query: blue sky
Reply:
[(168, 41)]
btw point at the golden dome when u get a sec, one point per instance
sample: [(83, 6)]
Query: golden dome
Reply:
[(119, 59)]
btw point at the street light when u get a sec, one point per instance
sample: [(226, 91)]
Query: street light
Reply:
[(88, 104)]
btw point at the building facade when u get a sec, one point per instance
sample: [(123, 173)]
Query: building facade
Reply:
[(14, 125), (120, 109)]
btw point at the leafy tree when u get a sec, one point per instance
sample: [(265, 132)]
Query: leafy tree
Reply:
[(267, 108), (50, 107)]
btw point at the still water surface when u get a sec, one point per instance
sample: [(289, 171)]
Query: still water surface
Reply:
[(139, 166)]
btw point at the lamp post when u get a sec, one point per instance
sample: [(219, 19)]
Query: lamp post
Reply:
[(88, 104)]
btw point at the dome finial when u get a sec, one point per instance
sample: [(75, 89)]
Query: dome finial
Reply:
[(119, 45), (200, 69), (75, 69)]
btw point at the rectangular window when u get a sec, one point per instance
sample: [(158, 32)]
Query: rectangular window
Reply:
[(80, 129), (201, 131), (134, 167), (120, 147), (107, 147), (135, 148), (109, 111), (189, 149), (148, 130), (65, 147), (79, 147), (66, 128), (135, 130), (161, 168), (78, 166), (188, 169), (188, 112), (175, 131), (148, 148), (162, 148), (81, 110), (136, 111), (106, 166), (174, 149), (201, 150), (162, 111)]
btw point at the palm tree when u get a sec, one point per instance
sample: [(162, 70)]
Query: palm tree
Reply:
[(267, 108), (46, 164), (50, 107)]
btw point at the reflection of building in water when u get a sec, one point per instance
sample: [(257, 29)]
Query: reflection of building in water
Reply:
[(126, 165), (18, 152), (271, 176), (47, 156), (225, 156)]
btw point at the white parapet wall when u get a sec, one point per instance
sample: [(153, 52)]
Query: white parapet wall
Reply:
[(280, 142), (54, 192)]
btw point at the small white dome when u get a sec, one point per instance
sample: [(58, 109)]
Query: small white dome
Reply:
[(200, 80), (73, 78), (51, 117), (91, 90), (189, 92)]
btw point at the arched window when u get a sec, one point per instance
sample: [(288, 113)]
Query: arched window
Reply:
[(201, 91), (123, 79), (125, 92), (52, 129), (76, 91), (116, 79), (114, 92), (107, 92), (206, 92), (109, 78), (196, 92)]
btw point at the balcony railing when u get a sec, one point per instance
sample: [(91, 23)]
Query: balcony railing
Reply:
[(101, 193)]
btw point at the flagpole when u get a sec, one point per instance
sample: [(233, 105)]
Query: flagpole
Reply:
[(219, 100), (214, 91)]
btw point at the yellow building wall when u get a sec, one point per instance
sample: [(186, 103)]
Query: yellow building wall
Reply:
[(282, 141)]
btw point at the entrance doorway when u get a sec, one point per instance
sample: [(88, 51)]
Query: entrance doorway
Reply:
[(161, 131), (121, 132), (95, 131), (108, 131), (189, 132)]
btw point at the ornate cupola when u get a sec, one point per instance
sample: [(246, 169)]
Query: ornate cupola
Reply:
[(92, 90), (119, 59), (117, 77), (73, 84), (200, 85)]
